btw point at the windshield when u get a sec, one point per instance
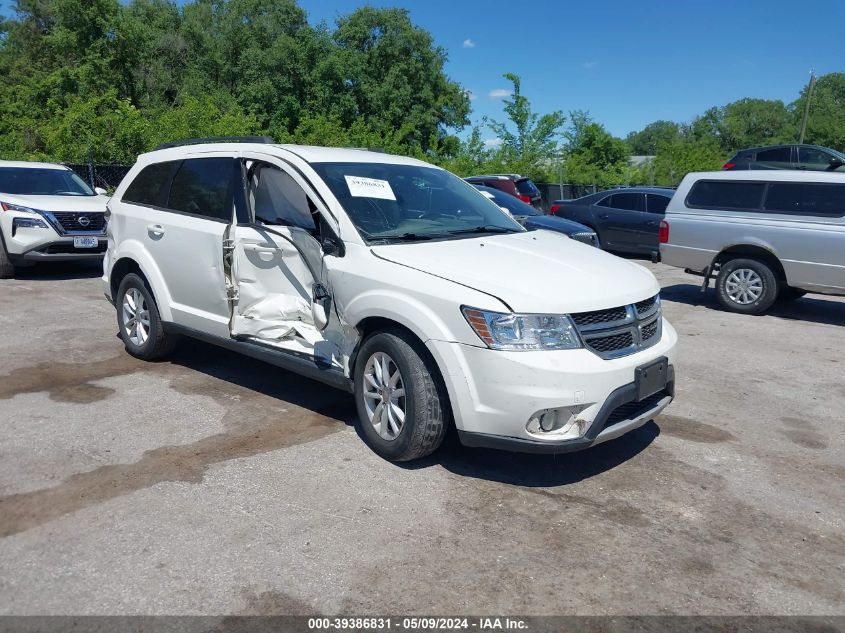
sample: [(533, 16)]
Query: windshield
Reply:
[(516, 206), (32, 181), (411, 202)]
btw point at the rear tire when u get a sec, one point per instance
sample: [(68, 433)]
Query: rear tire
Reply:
[(139, 321), (7, 269), (790, 294), (402, 405), (747, 286)]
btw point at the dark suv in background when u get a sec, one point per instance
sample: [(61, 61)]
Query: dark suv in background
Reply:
[(809, 157), (521, 187), (627, 220)]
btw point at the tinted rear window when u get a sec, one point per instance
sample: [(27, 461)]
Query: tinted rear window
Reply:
[(726, 194), (656, 204), (527, 187), (202, 186), (776, 155), (802, 198), (149, 186)]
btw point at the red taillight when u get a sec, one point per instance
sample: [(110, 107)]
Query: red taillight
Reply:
[(663, 236), (524, 198), (553, 209), (728, 165)]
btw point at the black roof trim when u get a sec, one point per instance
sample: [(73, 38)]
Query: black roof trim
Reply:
[(264, 140)]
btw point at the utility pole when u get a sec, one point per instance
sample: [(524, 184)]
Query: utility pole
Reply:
[(807, 107)]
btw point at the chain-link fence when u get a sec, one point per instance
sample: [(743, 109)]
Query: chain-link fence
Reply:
[(106, 176)]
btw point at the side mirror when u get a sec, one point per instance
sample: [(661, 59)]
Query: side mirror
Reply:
[(836, 163), (100, 191)]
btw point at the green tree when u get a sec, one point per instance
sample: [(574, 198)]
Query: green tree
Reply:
[(597, 158), (646, 141), (529, 140), (826, 122), (676, 158)]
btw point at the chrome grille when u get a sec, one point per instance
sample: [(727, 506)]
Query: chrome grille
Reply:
[(598, 317), (78, 222), (622, 330)]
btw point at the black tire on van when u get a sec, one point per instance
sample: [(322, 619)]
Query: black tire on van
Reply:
[(747, 286), (403, 409), (7, 269)]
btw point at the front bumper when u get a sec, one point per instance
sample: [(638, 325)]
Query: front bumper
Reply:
[(620, 413), (494, 394), (36, 244)]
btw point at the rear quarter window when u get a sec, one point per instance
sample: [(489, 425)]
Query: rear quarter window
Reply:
[(804, 198), (150, 185), (726, 194)]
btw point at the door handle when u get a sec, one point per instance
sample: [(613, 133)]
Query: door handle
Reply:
[(603, 216), (650, 223), (264, 253), (156, 230)]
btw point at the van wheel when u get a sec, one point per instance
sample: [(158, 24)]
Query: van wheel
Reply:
[(7, 269), (400, 397), (790, 294), (139, 322), (747, 286)]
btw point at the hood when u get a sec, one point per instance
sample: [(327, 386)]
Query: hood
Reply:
[(58, 203), (552, 223), (537, 271)]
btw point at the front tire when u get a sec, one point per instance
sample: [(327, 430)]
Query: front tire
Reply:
[(401, 400), (7, 269), (139, 321), (747, 286)]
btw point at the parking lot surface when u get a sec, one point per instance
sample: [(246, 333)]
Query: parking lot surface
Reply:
[(214, 484)]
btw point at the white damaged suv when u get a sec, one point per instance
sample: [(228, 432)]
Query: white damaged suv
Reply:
[(48, 213), (392, 279)]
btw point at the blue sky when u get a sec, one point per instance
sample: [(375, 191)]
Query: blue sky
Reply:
[(627, 62)]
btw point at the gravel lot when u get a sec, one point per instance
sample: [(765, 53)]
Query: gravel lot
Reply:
[(214, 484)]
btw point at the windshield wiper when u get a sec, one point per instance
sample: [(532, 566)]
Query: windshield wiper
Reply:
[(484, 228), (407, 237)]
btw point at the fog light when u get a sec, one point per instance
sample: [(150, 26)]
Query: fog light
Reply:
[(548, 420)]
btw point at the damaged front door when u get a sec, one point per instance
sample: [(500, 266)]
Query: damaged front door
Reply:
[(277, 267)]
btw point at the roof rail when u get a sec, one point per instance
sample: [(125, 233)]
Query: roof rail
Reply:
[(217, 139)]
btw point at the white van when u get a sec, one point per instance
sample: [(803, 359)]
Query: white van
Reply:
[(395, 280)]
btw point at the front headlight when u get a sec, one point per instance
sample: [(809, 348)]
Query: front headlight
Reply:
[(521, 332), (8, 206)]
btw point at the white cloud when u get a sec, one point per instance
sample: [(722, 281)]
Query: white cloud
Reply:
[(468, 43), (492, 142), (499, 93), (589, 65)]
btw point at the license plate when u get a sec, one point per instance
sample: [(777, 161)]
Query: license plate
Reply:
[(85, 242), (651, 378)]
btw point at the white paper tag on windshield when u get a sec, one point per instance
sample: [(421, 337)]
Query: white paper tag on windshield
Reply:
[(369, 188)]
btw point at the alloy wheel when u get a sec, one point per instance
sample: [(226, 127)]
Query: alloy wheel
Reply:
[(744, 286), (384, 395), (136, 317)]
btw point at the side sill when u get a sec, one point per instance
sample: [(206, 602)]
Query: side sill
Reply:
[(280, 358)]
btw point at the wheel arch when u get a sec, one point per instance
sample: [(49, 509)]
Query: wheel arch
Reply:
[(130, 260), (375, 324), (753, 251)]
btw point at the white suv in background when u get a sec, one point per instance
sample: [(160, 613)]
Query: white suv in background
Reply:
[(392, 279), (48, 213)]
